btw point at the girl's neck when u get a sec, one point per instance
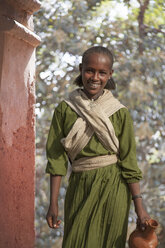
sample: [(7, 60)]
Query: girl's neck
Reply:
[(93, 97)]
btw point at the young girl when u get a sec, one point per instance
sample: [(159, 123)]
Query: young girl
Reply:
[(94, 131)]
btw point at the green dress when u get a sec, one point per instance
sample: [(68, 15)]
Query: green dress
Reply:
[(97, 202)]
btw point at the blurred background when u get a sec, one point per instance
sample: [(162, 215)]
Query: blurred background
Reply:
[(134, 30)]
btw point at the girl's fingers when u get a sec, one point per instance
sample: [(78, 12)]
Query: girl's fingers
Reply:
[(54, 219), (57, 224), (49, 221), (53, 222), (142, 224), (143, 227)]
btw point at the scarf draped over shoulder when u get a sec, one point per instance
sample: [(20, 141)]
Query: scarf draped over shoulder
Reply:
[(93, 118)]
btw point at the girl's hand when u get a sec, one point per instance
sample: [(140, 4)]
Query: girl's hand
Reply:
[(142, 218), (51, 217), (139, 209)]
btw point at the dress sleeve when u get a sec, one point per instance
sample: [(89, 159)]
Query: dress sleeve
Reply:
[(127, 147), (56, 155)]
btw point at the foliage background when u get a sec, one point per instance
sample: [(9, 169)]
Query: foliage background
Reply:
[(134, 31)]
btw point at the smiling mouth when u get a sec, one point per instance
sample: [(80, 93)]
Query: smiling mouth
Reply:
[(94, 85)]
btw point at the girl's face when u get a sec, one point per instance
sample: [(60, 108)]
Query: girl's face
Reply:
[(95, 73)]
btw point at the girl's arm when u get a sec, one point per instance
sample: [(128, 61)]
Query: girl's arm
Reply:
[(139, 209), (52, 214)]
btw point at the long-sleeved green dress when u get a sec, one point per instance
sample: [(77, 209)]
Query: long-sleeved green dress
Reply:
[(97, 202)]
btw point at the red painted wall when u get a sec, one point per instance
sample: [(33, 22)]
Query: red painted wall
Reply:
[(17, 122), (17, 151)]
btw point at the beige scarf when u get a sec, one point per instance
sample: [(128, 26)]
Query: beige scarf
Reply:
[(94, 118)]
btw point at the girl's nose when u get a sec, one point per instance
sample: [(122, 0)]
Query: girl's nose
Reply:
[(95, 76)]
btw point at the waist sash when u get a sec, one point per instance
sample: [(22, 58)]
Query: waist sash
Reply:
[(91, 163)]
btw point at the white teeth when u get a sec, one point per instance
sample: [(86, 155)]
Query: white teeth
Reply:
[(94, 85)]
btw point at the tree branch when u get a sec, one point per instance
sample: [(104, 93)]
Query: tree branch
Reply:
[(139, 1), (153, 30), (143, 7)]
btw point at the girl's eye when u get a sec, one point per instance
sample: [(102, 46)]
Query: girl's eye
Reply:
[(89, 71), (103, 73)]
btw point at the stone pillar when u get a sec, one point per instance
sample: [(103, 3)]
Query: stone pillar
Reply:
[(17, 121)]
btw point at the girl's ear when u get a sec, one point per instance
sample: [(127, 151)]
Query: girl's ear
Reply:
[(111, 72), (80, 68)]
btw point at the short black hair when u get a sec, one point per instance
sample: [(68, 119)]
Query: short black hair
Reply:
[(97, 49), (102, 50)]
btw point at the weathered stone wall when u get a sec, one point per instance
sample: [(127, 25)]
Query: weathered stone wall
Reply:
[(17, 121)]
